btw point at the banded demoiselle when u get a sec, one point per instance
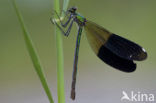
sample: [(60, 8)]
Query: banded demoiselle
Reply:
[(114, 50)]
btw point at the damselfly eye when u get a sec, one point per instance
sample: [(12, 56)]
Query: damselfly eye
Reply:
[(72, 9)]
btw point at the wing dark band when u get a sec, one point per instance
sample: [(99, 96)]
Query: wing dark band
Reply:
[(116, 61), (125, 48)]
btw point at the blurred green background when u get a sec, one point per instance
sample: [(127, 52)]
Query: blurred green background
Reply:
[(97, 82)]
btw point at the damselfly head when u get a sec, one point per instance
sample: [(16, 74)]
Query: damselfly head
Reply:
[(72, 9)]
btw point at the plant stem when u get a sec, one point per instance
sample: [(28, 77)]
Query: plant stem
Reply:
[(60, 59), (60, 62)]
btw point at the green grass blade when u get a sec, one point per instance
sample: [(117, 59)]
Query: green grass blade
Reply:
[(59, 47), (33, 54), (65, 6), (60, 62), (60, 69)]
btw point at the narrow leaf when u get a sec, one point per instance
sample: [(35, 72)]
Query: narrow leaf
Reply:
[(33, 54)]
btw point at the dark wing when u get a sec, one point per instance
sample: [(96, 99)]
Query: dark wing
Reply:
[(125, 48), (116, 61), (112, 49)]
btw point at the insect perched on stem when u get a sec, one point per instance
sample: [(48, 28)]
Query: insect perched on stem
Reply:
[(114, 50)]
